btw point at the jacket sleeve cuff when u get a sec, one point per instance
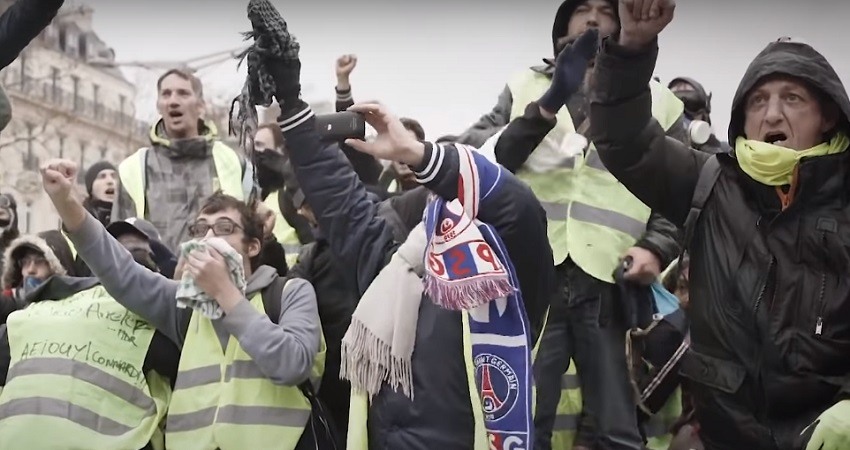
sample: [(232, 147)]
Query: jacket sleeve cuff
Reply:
[(621, 73), (293, 117), (431, 162), (343, 95)]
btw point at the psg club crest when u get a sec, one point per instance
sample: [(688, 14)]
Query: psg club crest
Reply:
[(498, 385)]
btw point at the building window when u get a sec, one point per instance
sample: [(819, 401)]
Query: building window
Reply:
[(76, 92), (30, 162), (61, 140), (96, 100), (63, 39), (54, 83), (82, 46), (82, 171), (23, 59), (103, 150)]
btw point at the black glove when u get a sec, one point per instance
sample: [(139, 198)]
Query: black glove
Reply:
[(570, 68), (287, 80)]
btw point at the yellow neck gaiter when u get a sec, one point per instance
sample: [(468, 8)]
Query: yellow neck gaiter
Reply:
[(774, 165)]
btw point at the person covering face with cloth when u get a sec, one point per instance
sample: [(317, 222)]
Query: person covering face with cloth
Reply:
[(439, 349), (768, 366), (239, 372)]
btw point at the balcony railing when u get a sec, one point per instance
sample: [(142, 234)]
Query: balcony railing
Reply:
[(45, 91)]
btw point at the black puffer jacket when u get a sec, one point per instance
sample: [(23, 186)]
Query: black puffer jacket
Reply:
[(769, 291)]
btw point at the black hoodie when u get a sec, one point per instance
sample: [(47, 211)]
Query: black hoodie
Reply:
[(769, 295), (10, 233)]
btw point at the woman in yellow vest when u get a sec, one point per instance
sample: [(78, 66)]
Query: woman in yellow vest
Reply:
[(81, 370), (238, 377)]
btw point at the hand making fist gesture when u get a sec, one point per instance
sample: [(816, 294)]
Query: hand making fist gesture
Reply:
[(642, 20), (59, 176)]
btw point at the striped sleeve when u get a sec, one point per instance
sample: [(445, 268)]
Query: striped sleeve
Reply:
[(300, 116), (431, 163)]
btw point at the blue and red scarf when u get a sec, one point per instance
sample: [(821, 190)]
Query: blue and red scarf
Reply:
[(468, 268)]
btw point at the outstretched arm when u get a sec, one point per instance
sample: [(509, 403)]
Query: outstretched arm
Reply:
[(21, 23)]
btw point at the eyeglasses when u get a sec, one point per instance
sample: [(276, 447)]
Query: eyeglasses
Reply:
[(222, 227)]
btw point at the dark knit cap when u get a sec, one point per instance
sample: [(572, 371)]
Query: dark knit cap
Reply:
[(94, 170)]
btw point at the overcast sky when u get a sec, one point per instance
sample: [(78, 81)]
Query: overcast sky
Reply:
[(445, 61)]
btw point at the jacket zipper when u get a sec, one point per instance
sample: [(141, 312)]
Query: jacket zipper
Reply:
[(767, 281), (821, 297)]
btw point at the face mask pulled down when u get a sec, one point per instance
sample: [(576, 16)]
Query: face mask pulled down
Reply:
[(773, 165)]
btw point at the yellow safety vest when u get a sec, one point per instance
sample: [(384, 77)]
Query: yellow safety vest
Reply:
[(228, 169), (222, 399), (568, 411), (358, 411), (76, 377), (591, 216), (284, 233)]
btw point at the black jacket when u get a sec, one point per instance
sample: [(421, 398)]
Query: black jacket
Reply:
[(440, 415), (21, 23), (761, 368)]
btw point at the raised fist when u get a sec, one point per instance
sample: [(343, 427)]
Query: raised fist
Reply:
[(345, 64), (642, 20), (58, 176)]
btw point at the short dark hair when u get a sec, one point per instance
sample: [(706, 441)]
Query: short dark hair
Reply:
[(197, 85), (251, 222), (414, 126), (277, 135)]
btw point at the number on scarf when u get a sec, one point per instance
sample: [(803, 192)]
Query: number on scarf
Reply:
[(485, 253), (459, 258), (436, 265)]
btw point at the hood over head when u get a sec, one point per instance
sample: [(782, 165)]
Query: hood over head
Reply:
[(51, 243), (700, 93), (796, 59), (563, 16)]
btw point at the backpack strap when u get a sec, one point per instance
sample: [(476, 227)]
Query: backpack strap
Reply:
[(705, 185)]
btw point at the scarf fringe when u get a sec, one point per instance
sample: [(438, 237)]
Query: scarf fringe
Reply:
[(367, 362), (466, 294)]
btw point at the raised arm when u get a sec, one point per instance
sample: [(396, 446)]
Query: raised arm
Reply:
[(661, 171), (146, 293), (21, 23), (357, 236), (345, 64), (490, 123)]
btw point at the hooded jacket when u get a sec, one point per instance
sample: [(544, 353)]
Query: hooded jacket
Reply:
[(490, 123), (182, 171), (50, 243), (769, 292)]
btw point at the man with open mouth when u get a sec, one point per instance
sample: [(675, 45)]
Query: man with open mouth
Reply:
[(186, 162), (768, 364)]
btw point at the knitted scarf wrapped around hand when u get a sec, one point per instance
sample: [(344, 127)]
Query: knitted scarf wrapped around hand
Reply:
[(271, 39)]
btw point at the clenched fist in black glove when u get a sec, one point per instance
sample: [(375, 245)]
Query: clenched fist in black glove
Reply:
[(287, 80)]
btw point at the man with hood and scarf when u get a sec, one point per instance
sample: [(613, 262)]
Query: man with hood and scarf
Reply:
[(186, 163), (768, 364), (697, 103), (8, 223), (594, 224)]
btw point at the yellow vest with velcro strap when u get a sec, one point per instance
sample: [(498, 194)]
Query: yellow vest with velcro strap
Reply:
[(76, 378), (358, 411), (283, 232), (591, 216), (222, 399), (228, 179)]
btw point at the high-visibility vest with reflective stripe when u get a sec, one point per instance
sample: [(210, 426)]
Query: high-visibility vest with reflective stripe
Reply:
[(76, 377), (568, 411), (284, 233), (591, 216), (222, 399), (228, 179), (358, 411)]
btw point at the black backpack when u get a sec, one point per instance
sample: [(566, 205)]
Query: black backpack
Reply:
[(321, 432)]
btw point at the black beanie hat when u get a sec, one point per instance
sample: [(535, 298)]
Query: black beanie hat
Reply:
[(94, 170)]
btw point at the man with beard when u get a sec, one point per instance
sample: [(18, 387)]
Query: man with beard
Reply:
[(768, 364)]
